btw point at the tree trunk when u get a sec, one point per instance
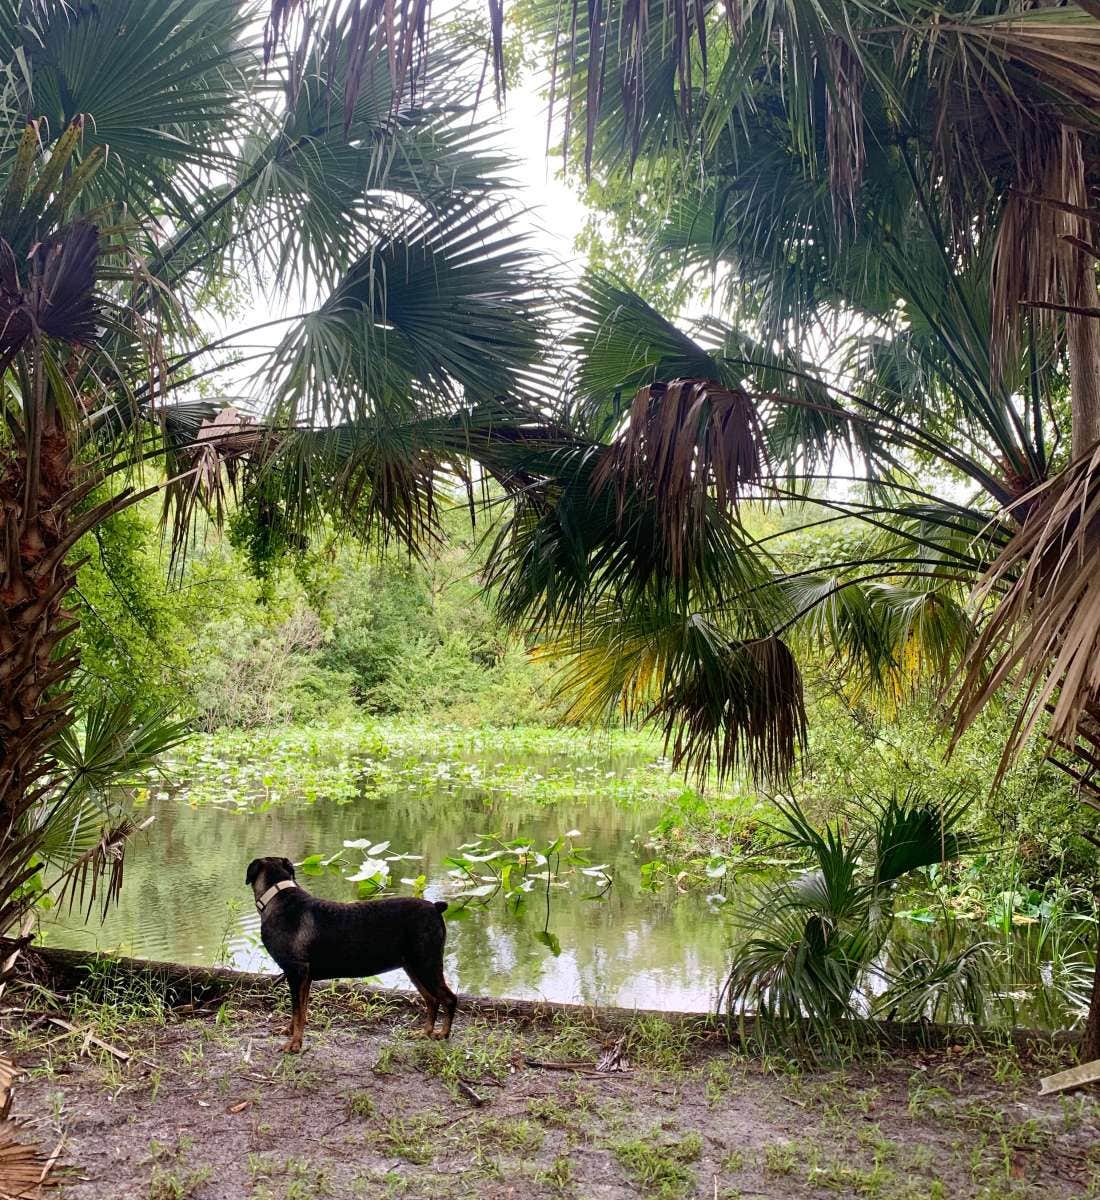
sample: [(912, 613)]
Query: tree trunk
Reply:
[(1090, 1040), (38, 496), (1082, 332), (1083, 344)]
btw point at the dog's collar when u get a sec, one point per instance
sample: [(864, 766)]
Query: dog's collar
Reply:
[(272, 892)]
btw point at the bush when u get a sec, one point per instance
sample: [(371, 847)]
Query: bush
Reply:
[(253, 675), (319, 634)]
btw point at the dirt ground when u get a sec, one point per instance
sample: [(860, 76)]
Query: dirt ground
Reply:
[(208, 1109)]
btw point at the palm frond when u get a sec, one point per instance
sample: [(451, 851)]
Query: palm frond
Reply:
[(735, 707), (621, 345), (115, 743), (1042, 632), (885, 637), (568, 543), (158, 84), (945, 979), (815, 941), (688, 443), (366, 27), (98, 872), (796, 964), (911, 830), (443, 309)]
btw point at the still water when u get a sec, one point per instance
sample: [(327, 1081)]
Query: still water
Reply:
[(184, 898)]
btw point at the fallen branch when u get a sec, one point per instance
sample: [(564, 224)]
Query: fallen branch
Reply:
[(51, 1160), (179, 984), (541, 1064), (90, 1039)]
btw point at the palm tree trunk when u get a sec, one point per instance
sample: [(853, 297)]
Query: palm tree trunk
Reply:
[(1090, 1040), (38, 497), (1083, 344)]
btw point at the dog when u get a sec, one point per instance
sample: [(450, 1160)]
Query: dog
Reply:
[(315, 939)]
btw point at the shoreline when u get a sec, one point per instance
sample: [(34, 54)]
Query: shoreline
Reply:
[(179, 983)]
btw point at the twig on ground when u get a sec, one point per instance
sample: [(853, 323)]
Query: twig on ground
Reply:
[(90, 1039), (583, 1068), (469, 1093), (51, 1160)]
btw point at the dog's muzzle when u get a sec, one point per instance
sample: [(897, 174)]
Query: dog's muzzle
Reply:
[(272, 892)]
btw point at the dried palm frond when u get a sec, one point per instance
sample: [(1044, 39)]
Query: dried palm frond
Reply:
[(738, 707), (1059, 47), (844, 130), (98, 871), (205, 467), (23, 1169), (1043, 634), (400, 29), (1034, 259), (687, 443), (8, 1073)]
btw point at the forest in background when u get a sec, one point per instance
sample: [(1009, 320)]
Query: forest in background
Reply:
[(333, 633)]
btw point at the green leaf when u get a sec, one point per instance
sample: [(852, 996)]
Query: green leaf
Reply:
[(549, 940)]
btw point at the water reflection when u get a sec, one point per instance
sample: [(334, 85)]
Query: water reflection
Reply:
[(185, 900)]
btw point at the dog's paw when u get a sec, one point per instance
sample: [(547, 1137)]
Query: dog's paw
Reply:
[(421, 1031), (294, 1046)]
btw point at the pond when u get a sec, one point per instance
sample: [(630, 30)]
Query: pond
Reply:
[(184, 897), (429, 793)]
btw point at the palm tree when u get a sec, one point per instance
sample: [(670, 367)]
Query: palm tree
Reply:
[(162, 159), (892, 201), (815, 941)]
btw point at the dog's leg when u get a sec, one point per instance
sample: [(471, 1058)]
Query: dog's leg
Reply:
[(449, 1001), (430, 1003), (299, 993), (436, 994)]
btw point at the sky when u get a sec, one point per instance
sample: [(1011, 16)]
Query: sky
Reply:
[(552, 212), (557, 213)]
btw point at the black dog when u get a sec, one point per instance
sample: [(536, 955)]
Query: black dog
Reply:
[(320, 939)]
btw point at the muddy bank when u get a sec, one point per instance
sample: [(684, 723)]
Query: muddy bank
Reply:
[(191, 1099)]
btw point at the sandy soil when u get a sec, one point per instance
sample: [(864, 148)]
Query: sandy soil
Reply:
[(207, 1109)]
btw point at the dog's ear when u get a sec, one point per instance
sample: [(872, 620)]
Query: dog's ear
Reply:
[(285, 862), (254, 868)]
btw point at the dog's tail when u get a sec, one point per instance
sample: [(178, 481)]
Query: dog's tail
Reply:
[(440, 906)]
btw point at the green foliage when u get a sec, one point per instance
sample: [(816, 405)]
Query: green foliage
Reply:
[(520, 871), (258, 632), (134, 630), (860, 747), (813, 939)]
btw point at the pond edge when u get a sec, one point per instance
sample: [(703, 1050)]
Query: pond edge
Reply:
[(181, 984)]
